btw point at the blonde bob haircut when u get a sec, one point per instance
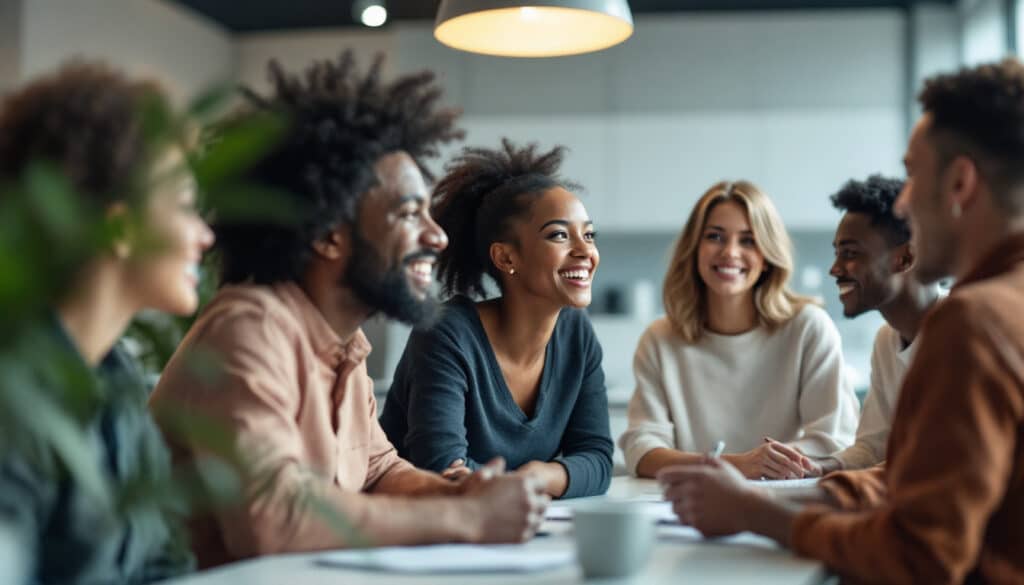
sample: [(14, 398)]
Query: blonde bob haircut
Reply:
[(685, 293)]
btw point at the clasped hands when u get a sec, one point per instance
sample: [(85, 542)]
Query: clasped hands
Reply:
[(774, 460), (515, 502)]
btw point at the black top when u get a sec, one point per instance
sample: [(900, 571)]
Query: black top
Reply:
[(449, 401)]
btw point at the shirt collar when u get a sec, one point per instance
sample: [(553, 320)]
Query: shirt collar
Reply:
[(1002, 258), (325, 341)]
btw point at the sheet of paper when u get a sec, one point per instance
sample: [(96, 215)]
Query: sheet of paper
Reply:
[(660, 511), (449, 558), (558, 512), (784, 483)]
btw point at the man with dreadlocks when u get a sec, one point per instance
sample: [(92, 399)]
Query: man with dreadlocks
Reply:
[(291, 382)]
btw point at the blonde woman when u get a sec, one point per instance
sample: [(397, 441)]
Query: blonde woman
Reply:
[(739, 357)]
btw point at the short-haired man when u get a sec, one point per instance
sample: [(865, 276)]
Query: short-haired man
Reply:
[(292, 385), (948, 506), (873, 269)]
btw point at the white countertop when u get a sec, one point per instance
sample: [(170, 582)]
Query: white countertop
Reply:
[(679, 557)]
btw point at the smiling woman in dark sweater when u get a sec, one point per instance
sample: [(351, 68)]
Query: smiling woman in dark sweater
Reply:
[(518, 376)]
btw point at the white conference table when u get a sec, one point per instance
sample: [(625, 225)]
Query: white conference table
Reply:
[(679, 557)]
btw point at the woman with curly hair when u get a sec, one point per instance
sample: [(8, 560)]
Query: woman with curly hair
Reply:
[(88, 124), (518, 375), (739, 357)]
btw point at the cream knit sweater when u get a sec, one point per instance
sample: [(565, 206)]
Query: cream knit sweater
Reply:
[(788, 385)]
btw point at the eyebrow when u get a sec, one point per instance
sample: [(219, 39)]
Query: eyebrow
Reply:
[(561, 222), (846, 242), (722, 229), (416, 197)]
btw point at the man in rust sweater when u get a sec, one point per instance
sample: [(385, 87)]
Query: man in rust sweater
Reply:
[(948, 507)]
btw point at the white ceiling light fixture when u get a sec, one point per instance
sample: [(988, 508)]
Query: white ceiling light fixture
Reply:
[(371, 13), (532, 28)]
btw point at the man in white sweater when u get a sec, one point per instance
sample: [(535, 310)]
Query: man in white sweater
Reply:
[(874, 271)]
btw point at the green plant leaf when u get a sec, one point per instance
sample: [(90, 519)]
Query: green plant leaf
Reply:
[(236, 146), (208, 104)]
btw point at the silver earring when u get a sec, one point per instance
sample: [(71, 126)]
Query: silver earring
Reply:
[(511, 271), (957, 211)]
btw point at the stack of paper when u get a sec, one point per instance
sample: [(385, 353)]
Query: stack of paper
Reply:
[(449, 558)]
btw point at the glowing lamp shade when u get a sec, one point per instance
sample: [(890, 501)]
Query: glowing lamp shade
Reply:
[(536, 28)]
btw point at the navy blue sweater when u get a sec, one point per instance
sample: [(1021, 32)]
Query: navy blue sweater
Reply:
[(449, 401)]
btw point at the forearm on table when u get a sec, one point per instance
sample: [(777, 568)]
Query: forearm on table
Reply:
[(866, 451), (413, 482), (386, 520), (296, 516), (656, 459), (589, 472), (770, 516)]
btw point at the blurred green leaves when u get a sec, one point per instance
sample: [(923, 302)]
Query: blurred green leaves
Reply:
[(48, 234), (227, 148), (235, 146), (45, 233)]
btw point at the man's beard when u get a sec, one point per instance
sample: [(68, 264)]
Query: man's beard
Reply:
[(388, 291)]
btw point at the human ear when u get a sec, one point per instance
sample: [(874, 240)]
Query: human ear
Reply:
[(902, 258), (335, 244), (503, 257), (962, 183)]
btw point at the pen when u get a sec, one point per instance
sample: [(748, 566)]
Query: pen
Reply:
[(717, 451)]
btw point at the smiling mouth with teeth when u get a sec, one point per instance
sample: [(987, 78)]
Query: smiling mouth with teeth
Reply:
[(580, 275), (729, 270), (845, 288), (425, 269)]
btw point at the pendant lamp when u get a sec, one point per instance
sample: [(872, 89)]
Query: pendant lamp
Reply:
[(532, 28)]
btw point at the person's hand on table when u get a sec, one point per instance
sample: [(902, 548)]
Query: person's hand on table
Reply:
[(469, 481), (511, 507), (552, 476), (457, 471), (812, 467), (709, 496), (773, 460)]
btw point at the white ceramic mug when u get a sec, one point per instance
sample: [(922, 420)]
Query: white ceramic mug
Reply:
[(613, 538)]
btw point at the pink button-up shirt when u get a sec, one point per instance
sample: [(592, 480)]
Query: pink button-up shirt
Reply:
[(263, 362)]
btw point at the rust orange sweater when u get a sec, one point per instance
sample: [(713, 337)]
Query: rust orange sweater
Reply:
[(949, 505)]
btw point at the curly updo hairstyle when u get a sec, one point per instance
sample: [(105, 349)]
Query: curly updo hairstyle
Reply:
[(340, 123), (482, 194)]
